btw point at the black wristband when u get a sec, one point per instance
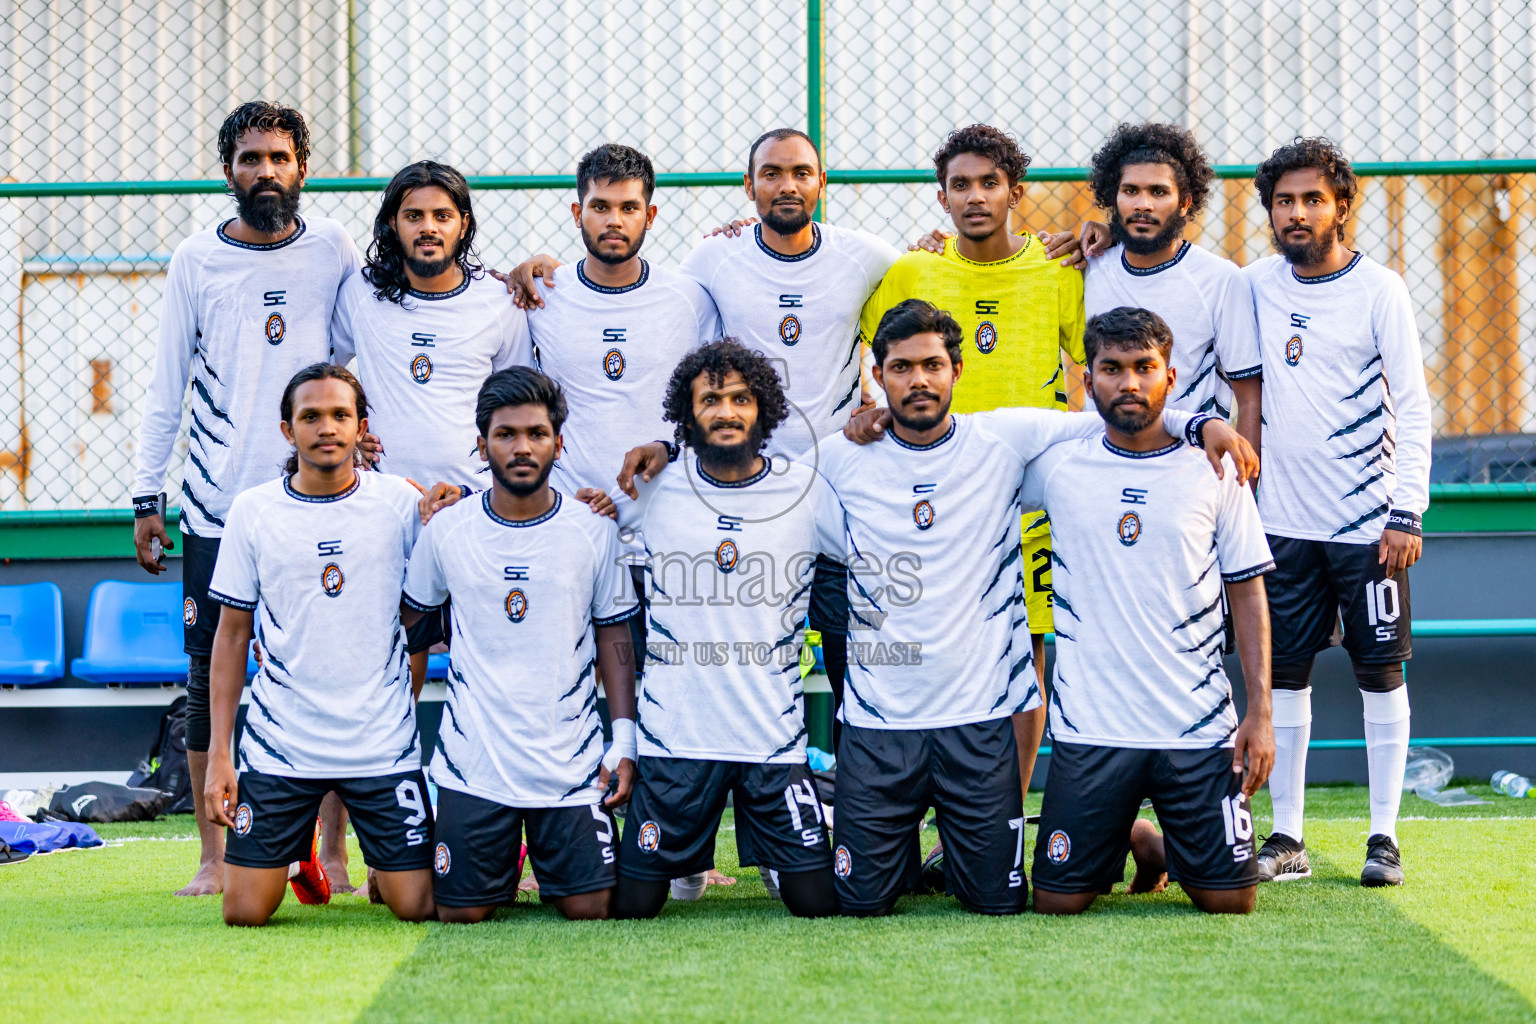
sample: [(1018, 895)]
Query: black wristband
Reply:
[(1405, 522), (465, 491), (673, 451), (1194, 426), (145, 506)]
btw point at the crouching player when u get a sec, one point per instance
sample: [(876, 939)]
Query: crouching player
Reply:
[(1146, 541), (312, 564), (541, 598), (722, 708)]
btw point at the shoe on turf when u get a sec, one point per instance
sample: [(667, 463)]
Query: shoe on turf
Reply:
[(930, 880), (310, 885), (690, 887), (8, 813), (1283, 859), (10, 855), (1383, 863)]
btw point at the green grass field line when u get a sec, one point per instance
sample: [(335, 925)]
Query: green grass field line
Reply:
[(98, 929)]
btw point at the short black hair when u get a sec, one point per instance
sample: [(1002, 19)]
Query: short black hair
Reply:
[(912, 317), (261, 116), (384, 267), (1318, 154), (779, 135), (983, 140), (1129, 329), (519, 385), (718, 358), (1152, 143), (614, 163), (312, 372)]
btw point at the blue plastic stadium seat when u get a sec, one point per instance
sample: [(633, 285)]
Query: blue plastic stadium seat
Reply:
[(31, 634), (133, 634), (437, 665)]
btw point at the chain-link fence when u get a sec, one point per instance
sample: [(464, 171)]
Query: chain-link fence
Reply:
[(133, 92)]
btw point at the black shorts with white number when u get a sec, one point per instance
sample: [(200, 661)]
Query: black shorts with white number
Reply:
[(275, 819), (474, 863), (1092, 795), (886, 781), (674, 813), (1316, 583), (199, 612)]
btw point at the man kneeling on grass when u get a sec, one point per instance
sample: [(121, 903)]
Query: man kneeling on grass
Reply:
[(1146, 541), (312, 564)]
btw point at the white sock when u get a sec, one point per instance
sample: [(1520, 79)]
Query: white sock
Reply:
[(1292, 711), (1386, 752)]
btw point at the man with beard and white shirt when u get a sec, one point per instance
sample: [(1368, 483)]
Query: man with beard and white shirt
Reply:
[(247, 304), (1153, 179), (1346, 482)]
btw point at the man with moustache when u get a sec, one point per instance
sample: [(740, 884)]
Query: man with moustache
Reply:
[(247, 304), (1153, 179), (1346, 482)]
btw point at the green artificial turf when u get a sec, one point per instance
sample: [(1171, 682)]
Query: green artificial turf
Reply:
[(97, 934)]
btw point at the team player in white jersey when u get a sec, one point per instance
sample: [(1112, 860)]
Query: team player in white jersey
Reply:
[(427, 327), (939, 645), (541, 599), (731, 545), (247, 304), (1153, 179), (1345, 486), (312, 565), (1150, 548)]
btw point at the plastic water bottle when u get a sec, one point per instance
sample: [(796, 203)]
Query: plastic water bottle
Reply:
[(1511, 784)]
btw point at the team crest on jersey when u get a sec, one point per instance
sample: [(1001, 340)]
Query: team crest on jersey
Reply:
[(1059, 847), (986, 337), (517, 605), (650, 837), (189, 612), (613, 364), (421, 369), (331, 579), (1129, 528), (923, 515), (726, 555), (242, 819), (789, 329), (276, 329), (1293, 350), (842, 862), (441, 861)]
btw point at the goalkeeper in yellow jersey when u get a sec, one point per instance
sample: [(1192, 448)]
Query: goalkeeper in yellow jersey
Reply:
[(1019, 312)]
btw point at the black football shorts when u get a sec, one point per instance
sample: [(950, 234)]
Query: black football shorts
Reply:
[(1317, 585), (275, 819)]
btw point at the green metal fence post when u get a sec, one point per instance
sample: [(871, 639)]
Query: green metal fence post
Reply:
[(815, 88)]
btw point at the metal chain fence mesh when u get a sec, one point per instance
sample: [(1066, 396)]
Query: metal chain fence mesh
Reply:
[(134, 91)]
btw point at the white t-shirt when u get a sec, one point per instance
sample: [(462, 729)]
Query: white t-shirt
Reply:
[(1207, 304), (422, 361), (520, 726), (937, 634), (323, 575), (238, 321), (1346, 408), (613, 350), (728, 575), (1141, 543), (803, 313)]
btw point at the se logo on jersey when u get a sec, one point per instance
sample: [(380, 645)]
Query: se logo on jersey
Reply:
[(842, 862), (613, 364), (789, 329), (986, 337), (923, 515), (1129, 528), (726, 555), (1293, 350), (421, 369), (331, 579), (242, 819), (1059, 847), (517, 605), (441, 861), (650, 837), (275, 329), (189, 612)]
